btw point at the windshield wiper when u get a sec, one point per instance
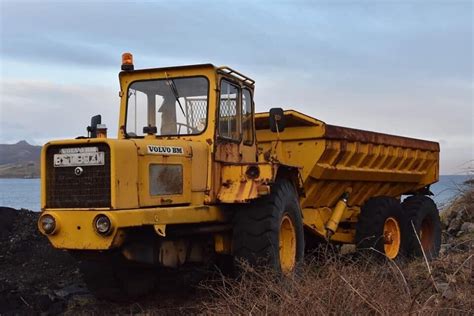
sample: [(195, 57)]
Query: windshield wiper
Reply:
[(175, 93)]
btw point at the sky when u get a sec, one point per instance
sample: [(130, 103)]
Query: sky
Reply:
[(398, 67)]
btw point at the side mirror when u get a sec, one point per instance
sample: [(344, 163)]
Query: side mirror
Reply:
[(92, 130), (277, 120)]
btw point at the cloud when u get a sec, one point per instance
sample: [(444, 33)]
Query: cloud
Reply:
[(38, 111), (397, 67), (53, 51), (382, 38)]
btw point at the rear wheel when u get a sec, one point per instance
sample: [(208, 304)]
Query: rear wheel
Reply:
[(380, 227), (423, 223), (269, 232)]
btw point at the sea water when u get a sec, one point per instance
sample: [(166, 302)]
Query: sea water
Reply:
[(25, 193), (20, 193)]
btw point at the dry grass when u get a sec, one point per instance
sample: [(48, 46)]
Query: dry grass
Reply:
[(349, 285), (330, 283)]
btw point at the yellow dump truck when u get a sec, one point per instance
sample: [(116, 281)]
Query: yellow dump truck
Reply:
[(195, 177)]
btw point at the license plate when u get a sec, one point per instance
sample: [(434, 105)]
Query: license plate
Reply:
[(79, 159)]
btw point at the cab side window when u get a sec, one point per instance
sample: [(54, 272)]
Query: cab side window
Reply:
[(229, 111), (247, 128)]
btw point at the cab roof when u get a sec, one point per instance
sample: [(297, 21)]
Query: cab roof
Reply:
[(221, 69)]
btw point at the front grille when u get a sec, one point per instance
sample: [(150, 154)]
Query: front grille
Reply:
[(64, 189)]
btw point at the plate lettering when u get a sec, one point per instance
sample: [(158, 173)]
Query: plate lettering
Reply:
[(165, 150), (79, 159)]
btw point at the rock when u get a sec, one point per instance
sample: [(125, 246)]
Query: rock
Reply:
[(445, 290), (444, 249), (456, 223), (442, 286), (42, 302), (26, 282), (347, 249), (57, 308), (80, 301), (467, 227), (71, 290), (448, 294), (8, 215)]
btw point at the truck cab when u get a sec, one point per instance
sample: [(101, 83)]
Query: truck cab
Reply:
[(202, 112), (186, 145)]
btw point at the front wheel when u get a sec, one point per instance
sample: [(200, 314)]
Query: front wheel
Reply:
[(269, 231)]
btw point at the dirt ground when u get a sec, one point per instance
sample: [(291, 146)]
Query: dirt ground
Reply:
[(35, 278)]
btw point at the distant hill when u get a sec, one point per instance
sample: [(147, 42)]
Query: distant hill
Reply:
[(20, 160)]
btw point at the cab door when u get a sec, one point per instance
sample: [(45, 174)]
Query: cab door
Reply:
[(235, 140)]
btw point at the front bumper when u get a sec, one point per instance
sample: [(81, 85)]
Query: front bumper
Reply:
[(75, 228)]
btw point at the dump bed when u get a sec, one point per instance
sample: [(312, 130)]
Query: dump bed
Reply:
[(334, 158)]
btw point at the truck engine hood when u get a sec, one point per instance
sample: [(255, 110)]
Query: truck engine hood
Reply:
[(170, 170)]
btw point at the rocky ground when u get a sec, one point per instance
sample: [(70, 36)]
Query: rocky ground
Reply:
[(37, 279), (33, 275), (458, 219)]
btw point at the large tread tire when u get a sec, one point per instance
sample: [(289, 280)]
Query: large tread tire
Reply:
[(256, 227), (420, 212), (370, 225), (116, 280)]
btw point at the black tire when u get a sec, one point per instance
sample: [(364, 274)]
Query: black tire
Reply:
[(256, 231), (371, 223), (114, 279), (420, 212)]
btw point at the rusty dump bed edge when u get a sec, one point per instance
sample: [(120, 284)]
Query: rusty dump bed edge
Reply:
[(352, 134)]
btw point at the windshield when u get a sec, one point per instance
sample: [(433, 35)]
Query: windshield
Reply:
[(166, 107)]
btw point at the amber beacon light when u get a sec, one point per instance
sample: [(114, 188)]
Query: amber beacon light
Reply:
[(127, 61)]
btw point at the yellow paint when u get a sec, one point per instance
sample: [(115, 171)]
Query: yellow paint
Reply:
[(145, 160), (160, 229), (238, 187), (76, 229), (336, 216), (222, 243), (287, 244), (329, 166), (215, 173), (124, 170), (316, 219)]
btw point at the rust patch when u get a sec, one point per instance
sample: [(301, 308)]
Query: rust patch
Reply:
[(166, 179), (357, 135), (166, 201)]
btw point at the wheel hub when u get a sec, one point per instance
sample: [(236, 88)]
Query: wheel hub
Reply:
[(388, 238), (391, 235)]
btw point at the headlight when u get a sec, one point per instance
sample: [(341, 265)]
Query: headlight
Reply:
[(102, 224), (48, 224)]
